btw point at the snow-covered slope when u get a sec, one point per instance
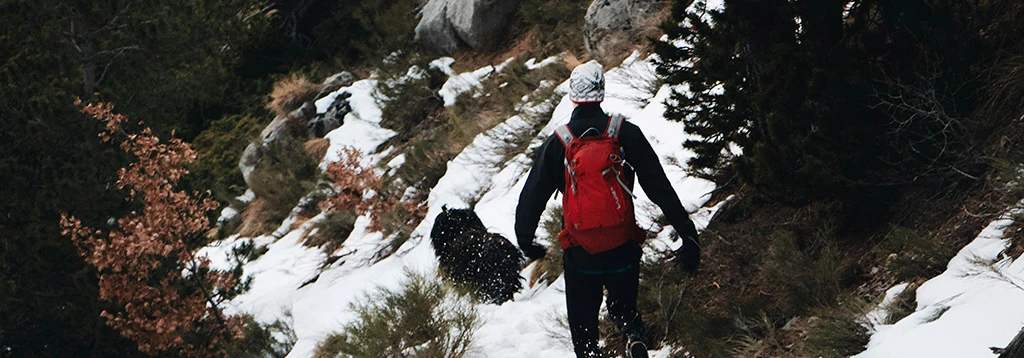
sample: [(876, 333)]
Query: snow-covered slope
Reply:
[(972, 306), (518, 328)]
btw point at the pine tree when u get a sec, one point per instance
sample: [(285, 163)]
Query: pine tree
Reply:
[(823, 98)]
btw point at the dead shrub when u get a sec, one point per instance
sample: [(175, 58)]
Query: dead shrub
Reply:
[(353, 184), (254, 220), (317, 148), (290, 93)]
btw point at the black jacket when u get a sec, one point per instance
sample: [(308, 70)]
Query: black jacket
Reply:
[(548, 175)]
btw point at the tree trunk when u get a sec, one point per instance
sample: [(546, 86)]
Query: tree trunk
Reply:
[(1015, 349)]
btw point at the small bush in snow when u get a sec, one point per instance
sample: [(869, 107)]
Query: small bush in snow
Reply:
[(549, 268), (274, 340), (333, 230), (423, 318)]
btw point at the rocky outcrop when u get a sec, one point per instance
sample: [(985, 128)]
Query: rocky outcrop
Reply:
[(434, 32), (480, 23), (336, 82), (446, 25), (333, 118), (300, 124), (614, 27)]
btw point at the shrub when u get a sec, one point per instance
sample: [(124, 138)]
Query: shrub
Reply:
[(274, 340), (333, 230), (674, 307), (908, 256), (760, 337), (902, 306), (548, 269), (164, 296), (840, 330), (360, 190), (317, 148), (804, 274), (286, 174), (407, 93), (219, 148), (290, 93), (423, 318)]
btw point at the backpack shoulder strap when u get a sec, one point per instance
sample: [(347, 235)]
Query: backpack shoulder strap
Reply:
[(614, 126), (565, 135)]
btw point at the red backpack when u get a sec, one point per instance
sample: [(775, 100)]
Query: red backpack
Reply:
[(597, 204)]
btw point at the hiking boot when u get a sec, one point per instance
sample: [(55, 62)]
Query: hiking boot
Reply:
[(636, 347)]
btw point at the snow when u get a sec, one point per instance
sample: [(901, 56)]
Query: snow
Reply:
[(459, 83), (972, 306), (290, 280)]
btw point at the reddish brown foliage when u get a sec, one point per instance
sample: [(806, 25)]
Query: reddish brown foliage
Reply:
[(352, 183), (353, 186), (165, 293)]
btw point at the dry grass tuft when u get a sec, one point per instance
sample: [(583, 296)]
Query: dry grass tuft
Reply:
[(254, 218), (317, 148), (290, 93)]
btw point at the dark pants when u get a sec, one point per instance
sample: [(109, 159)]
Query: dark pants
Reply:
[(583, 294)]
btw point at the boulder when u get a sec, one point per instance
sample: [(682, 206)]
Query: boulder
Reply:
[(434, 32), (480, 23), (333, 118), (250, 159), (612, 28), (336, 82), (445, 25)]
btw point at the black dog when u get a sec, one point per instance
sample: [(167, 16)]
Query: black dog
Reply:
[(468, 254)]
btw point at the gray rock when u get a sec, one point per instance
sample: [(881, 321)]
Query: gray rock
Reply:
[(480, 23), (613, 27), (277, 129), (332, 119), (308, 110), (434, 32), (250, 159), (335, 82)]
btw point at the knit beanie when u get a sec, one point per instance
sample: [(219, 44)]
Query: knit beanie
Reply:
[(586, 84)]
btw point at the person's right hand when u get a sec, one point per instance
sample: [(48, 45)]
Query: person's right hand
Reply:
[(688, 255), (534, 251)]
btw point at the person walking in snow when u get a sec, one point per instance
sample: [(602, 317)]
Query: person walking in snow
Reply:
[(592, 161)]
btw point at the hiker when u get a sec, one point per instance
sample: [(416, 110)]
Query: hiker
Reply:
[(606, 256)]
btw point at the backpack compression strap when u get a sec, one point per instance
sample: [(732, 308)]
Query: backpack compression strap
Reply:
[(565, 135), (614, 126)]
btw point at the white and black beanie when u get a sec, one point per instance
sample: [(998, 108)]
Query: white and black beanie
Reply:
[(586, 84)]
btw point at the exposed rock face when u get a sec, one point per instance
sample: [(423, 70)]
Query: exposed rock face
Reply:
[(480, 22), (335, 82), (333, 118), (434, 32), (613, 27), (446, 25)]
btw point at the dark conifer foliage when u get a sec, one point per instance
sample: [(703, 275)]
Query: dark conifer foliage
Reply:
[(831, 96)]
